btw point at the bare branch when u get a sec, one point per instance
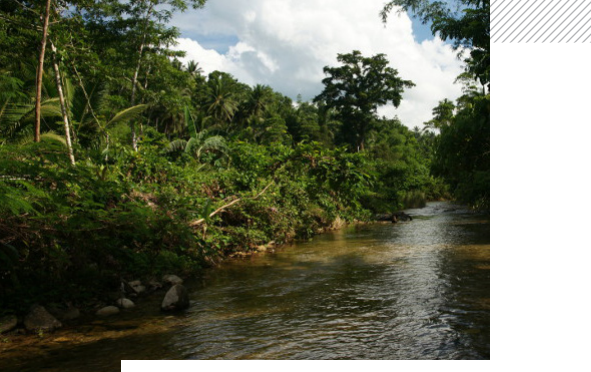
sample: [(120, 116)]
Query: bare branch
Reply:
[(220, 209)]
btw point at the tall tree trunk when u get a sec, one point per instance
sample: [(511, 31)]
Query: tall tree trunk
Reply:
[(136, 73), (38, 82), (60, 91)]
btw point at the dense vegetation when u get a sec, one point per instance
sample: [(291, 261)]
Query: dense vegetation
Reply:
[(116, 160)]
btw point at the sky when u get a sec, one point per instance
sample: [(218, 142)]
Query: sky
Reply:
[(286, 43)]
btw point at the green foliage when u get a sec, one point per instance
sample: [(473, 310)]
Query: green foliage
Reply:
[(462, 156), (357, 88), (467, 24), (463, 152), (177, 170)]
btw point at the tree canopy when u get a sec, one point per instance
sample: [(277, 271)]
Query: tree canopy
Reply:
[(462, 150), (467, 25), (356, 90)]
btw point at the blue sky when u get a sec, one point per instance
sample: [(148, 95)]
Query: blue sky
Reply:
[(286, 43)]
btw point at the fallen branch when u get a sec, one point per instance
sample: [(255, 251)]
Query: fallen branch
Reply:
[(220, 209)]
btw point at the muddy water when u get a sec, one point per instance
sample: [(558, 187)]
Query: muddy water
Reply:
[(414, 290)]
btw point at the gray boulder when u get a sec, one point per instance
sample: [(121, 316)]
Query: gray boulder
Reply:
[(154, 285), (172, 279), (8, 323), (125, 303), (40, 319), (177, 298), (107, 311), (137, 286)]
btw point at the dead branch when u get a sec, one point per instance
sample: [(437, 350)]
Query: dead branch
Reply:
[(220, 209)]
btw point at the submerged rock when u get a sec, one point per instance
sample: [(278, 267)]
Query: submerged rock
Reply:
[(177, 298), (107, 311), (172, 279), (40, 319), (8, 323), (125, 303)]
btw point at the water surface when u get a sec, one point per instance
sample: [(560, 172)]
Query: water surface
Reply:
[(412, 290)]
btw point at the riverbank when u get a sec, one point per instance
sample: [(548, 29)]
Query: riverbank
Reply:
[(89, 328), (137, 294), (145, 304), (70, 235)]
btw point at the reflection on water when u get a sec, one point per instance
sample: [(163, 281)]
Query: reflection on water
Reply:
[(416, 290)]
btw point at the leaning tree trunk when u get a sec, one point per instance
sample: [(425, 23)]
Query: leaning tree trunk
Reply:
[(39, 81), (60, 91)]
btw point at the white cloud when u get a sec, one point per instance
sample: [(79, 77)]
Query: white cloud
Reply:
[(285, 44)]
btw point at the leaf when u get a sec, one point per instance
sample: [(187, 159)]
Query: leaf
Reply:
[(177, 145), (190, 123), (128, 114), (50, 136)]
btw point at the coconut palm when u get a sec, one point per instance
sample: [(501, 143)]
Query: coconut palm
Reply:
[(219, 102), (193, 68)]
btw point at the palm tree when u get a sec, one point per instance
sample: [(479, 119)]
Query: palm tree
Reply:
[(443, 115), (219, 102), (258, 101), (194, 69)]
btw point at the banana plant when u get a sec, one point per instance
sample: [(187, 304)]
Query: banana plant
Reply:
[(200, 142)]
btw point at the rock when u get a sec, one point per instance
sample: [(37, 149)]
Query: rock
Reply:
[(109, 310), (40, 319), (172, 279), (126, 288), (137, 287), (177, 298), (71, 313), (154, 285), (125, 303), (8, 323), (401, 216)]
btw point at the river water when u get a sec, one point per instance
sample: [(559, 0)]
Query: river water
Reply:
[(412, 290)]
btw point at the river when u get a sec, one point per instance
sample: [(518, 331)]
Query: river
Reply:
[(412, 290)]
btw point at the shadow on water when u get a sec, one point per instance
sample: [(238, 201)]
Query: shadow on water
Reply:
[(416, 290)]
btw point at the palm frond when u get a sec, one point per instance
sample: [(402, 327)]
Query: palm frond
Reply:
[(189, 122), (51, 136), (128, 114)]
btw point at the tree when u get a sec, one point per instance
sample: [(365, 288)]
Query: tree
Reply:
[(357, 89), (194, 69), (40, 72), (220, 102), (138, 25), (64, 109), (443, 115), (467, 25), (462, 155)]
